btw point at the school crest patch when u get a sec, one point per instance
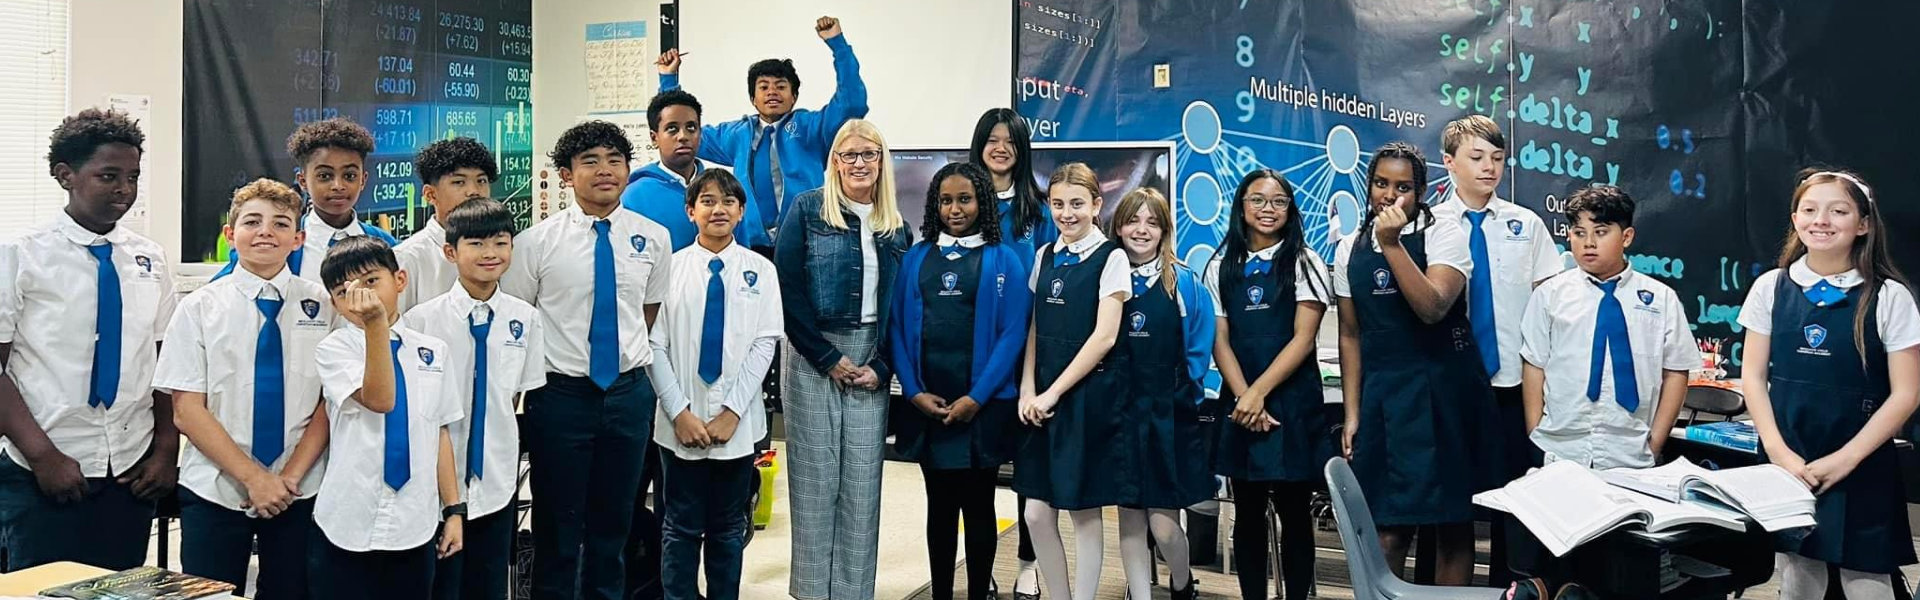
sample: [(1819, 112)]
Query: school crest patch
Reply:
[(1514, 226), (1057, 287), (752, 278), (517, 328), (948, 281), (1137, 321), (426, 356), (1816, 335), (311, 307), (1646, 297), (144, 262), (639, 243), (1381, 278), (1255, 294)]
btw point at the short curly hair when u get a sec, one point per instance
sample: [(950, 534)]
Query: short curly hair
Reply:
[(337, 132), (442, 158), (78, 136), (587, 136), (274, 193)]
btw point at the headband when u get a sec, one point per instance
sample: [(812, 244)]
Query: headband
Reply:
[(1864, 190)]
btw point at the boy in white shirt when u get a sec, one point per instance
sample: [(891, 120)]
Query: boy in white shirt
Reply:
[(493, 355), (331, 157), (597, 272), (1607, 349), (451, 172), (241, 367), (712, 346), (89, 444), (389, 445), (1512, 251)]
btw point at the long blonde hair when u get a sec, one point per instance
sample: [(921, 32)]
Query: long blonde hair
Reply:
[(886, 212), (1156, 205)]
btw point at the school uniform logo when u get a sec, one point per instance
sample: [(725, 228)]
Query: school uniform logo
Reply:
[(1514, 226), (311, 308), (517, 328), (949, 282), (1255, 295), (1000, 285), (426, 356), (1383, 282), (1816, 336), (1054, 292), (1646, 297), (145, 263), (752, 278), (1646, 302), (1137, 324), (639, 244)]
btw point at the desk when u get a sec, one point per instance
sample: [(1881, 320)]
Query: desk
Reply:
[(1627, 563), (29, 582)]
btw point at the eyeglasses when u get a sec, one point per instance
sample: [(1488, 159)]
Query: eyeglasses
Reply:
[(857, 157), (1258, 203)]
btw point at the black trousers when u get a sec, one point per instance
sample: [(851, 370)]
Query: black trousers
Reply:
[(217, 542), (588, 447), (952, 494), (479, 571)]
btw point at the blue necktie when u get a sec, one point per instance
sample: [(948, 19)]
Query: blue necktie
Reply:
[(1257, 266), (398, 465), (1139, 285), (1610, 339), (1066, 259), (603, 336), (269, 386), (1480, 297), (105, 383), (1825, 294), (714, 325), (477, 424)]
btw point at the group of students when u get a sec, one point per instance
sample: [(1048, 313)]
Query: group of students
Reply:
[(350, 403)]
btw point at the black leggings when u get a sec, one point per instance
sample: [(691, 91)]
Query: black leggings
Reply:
[(1026, 539), (1291, 499), (950, 494)]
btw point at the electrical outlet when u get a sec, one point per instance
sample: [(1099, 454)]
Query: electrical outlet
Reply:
[(1162, 75)]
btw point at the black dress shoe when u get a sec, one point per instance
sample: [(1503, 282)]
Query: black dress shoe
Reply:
[(1191, 593)]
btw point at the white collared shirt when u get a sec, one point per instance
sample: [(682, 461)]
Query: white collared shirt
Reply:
[(1309, 277), (515, 364), (210, 349), (49, 286), (971, 241), (320, 237), (1522, 252), (429, 273), (1446, 245), (1007, 194), (1151, 271), (356, 509), (869, 264), (1897, 320), (1557, 335), (553, 270), (1115, 276), (753, 327)]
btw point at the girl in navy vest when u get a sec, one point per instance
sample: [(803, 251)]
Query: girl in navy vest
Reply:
[(1167, 337), (1076, 456), (1273, 292), (1417, 395), (962, 322), (1832, 371), (1003, 145)]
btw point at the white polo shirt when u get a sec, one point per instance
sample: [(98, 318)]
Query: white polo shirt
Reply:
[(1116, 277), (1556, 334), (320, 238), (429, 273), (1522, 252), (1309, 278), (356, 510), (210, 349), (49, 286), (753, 327), (514, 364), (1896, 319), (553, 269), (1446, 245)]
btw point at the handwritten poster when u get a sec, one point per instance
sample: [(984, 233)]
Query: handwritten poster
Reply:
[(619, 69)]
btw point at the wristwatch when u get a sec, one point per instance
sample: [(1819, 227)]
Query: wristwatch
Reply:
[(459, 508)]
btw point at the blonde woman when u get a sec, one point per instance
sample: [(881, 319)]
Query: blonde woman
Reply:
[(838, 250)]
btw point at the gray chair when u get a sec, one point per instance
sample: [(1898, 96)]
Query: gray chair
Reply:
[(1366, 562), (1720, 402)]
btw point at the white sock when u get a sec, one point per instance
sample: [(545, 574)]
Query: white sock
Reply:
[(1089, 550), (1866, 586), (1136, 559), (1043, 529), (1172, 539)]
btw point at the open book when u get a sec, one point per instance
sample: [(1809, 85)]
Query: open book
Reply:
[(1773, 497), (1566, 505)]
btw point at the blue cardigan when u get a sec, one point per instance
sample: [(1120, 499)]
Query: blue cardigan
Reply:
[(1198, 326), (999, 327), (806, 136)]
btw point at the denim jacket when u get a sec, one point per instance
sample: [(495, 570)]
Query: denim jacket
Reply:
[(820, 278)]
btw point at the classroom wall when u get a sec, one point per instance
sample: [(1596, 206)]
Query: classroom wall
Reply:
[(931, 66), (135, 47), (560, 68)]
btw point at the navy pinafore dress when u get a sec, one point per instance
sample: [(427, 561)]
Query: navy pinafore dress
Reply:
[(1823, 393), (1078, 458), (1260, 312), (1426, 443), (949, 289), (1163, 403)]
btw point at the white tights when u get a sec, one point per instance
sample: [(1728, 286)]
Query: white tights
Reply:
[(1164, 524), (1043, 523), (1802, 577)]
